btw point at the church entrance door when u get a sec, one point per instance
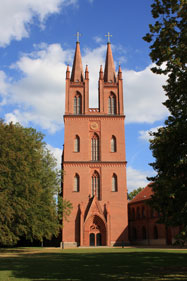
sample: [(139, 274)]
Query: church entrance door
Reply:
[(98, 239), (95, 239), (92, 239)]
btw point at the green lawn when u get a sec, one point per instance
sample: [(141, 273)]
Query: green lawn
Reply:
[(92, 264)]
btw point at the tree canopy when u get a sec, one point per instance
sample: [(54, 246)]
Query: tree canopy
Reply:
[(168, 36), (29, 182)]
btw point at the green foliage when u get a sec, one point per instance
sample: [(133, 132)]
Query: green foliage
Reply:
[(133, 193), (29, 183), (168, 36)]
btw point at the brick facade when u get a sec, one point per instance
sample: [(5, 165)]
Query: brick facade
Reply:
[(143, 226), (94, 160)]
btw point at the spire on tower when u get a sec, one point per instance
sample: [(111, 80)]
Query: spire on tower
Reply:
[(109, 73), (77, 70)]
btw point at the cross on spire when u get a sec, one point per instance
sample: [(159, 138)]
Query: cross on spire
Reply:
[(78, 34), (108, 35)]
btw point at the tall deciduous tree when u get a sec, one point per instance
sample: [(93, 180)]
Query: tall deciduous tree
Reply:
[(29, 182), (168, 36)]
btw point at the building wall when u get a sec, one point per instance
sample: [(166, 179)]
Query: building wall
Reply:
[(149, 221), (108, 214)]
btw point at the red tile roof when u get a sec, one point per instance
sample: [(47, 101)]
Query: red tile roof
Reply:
[(143, 195)]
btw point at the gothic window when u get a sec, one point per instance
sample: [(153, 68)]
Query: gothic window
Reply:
[(112, 104), (96, 185), (113, 144), (77, 104), (144, 233), (134, 234), (76, 183), (138, 213), (95, 148), (133, 213), (114, 183), (77, 144), (155, 232), (143, 212)]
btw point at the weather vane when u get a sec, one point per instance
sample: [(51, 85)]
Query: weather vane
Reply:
[(108, 35), (78, 34)]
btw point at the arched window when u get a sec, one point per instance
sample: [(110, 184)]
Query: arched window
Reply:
[(143, 212), (133, 214), (95, 148), (114, 183), (112, 104), (138, 213), (144, 236), (77, 144), (76, 183), (155, 232), (96, 185), (134, 234), (113, 144), (77, 104)]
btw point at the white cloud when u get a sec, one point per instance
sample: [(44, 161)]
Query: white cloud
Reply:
[(57, 152), (12, 117), (40, 95), (144, 135), (143, 96), (98, 39), (3, 88), (136, 178), (15, 15)]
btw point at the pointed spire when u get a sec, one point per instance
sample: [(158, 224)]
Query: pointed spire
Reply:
[(101, 73), (86, 72), (77, 70), (109, 73), (119, 72), (67, 72)]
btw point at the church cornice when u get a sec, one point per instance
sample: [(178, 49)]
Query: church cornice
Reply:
[(96, 116), (95, 164)]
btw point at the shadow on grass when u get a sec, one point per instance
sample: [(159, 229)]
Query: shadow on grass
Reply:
[(96, 266)]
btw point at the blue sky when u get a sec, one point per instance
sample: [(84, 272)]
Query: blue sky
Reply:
[(37, 41)]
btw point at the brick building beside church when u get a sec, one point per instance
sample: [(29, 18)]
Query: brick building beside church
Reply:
[(143, 227), (94, 158)]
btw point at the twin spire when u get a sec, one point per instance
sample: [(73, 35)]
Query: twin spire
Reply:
[(109, 72)]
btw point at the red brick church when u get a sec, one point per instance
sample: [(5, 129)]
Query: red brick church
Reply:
[(94, 160)]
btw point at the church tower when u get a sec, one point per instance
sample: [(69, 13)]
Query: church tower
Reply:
[(94, 161)]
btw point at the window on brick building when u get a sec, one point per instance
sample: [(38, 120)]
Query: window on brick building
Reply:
[(76, 186), (77, 144), (143, 212), (96, 185), (113, 147), (114, 183), (133, 213), (155, 232), (95, 148), (112, 104), (134, 234), (138, 213), (77, 104), (144, 234)]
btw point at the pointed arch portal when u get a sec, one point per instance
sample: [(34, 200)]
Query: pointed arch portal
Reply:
[(95, 233)]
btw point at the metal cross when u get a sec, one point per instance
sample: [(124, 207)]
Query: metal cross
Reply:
[(78, 35), (108, 35)]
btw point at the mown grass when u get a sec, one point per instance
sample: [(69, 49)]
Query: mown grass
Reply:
[(92, 264)]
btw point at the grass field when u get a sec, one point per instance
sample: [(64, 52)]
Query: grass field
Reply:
[(40, 264)]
